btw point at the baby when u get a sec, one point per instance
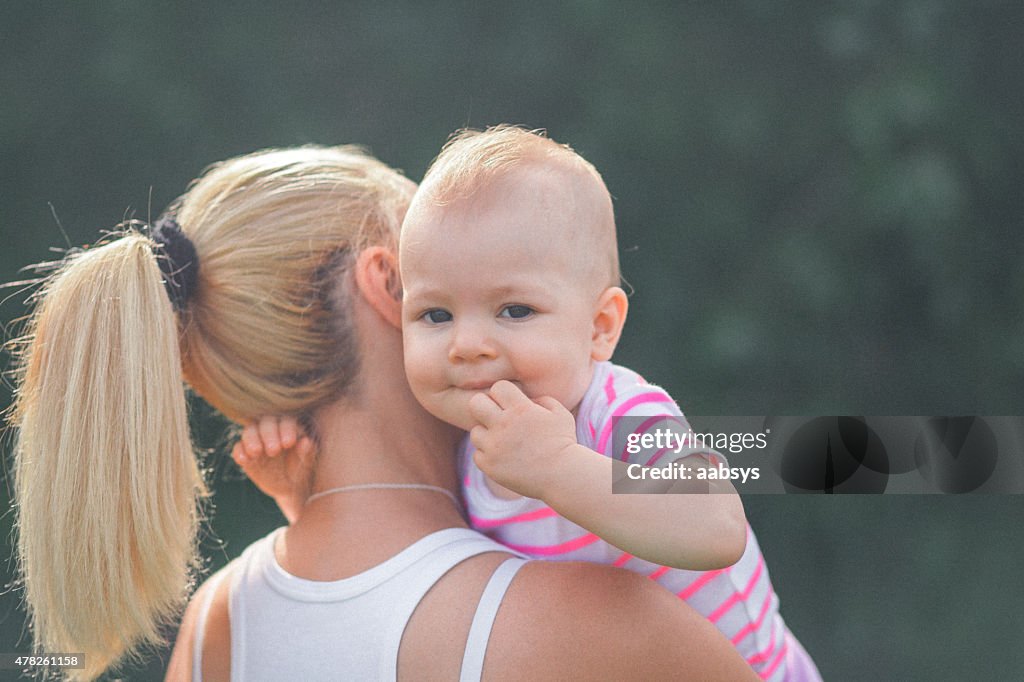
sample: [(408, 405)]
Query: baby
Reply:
[(511, 313), (511, 310)]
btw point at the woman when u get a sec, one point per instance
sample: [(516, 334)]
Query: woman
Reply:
[(280, 295)]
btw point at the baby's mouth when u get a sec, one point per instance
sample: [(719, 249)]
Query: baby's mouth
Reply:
[(476, 385), (483, 385)]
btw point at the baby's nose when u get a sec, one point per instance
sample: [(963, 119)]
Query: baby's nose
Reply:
[(470, 342)]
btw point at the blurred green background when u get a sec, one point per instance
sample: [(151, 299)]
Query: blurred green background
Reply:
[(819, 209)]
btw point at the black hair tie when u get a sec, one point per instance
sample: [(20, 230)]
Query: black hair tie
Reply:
[(178, 261)]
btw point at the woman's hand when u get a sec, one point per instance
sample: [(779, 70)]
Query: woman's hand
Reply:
[(278, 457)]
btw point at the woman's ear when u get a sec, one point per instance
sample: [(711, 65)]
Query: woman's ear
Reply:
[(609, 318), (376, 273)]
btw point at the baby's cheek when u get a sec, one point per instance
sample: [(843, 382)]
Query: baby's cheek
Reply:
[(577, 381), (418, 370), (420, 379), (430, 396)]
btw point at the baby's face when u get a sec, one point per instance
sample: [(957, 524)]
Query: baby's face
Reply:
[(493, 291)]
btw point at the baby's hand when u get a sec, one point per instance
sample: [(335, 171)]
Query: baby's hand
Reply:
[(518, 440), (278, 457)]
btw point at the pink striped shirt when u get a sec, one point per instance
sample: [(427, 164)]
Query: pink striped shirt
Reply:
[(739, 600)]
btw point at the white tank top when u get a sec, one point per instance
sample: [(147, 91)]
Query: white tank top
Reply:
[(288, 628)]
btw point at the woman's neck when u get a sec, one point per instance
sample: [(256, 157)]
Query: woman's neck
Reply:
[(379, 435)]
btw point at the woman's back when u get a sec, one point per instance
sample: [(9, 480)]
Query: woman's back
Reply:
[(402, 620), (266, 601)]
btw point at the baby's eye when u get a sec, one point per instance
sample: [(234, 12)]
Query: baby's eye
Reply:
[(436, 316), (516, 312)]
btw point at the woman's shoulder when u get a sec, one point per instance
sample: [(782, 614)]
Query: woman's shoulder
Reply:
[(575, 620), (207, 619), (207, 612), (585, 596)]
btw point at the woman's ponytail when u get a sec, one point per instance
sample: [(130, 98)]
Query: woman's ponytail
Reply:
[(107, 484)]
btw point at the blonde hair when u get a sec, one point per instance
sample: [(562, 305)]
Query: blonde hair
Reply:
[(472, 158), (107, 484)]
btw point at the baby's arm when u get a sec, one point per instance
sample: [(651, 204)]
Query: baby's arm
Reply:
[(531, 448), (277, 456)]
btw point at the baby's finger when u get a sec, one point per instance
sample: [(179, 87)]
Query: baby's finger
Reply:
[(238, 454), (304, 449), (250, 466), (289, 429), (251, 443), (483, 409), (477, 435), (270, 435), (550, 404), (507, 394)]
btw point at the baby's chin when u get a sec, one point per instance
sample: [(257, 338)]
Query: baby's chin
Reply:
[(456, 415), (460, 418)]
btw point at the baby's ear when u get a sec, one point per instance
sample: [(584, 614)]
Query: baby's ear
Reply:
[(609, 317), (376, 273)]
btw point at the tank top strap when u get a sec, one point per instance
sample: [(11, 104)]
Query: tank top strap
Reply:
[(483, 619), (447, 549)]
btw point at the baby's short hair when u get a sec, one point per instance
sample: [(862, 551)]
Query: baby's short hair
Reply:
[(472, 158)]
